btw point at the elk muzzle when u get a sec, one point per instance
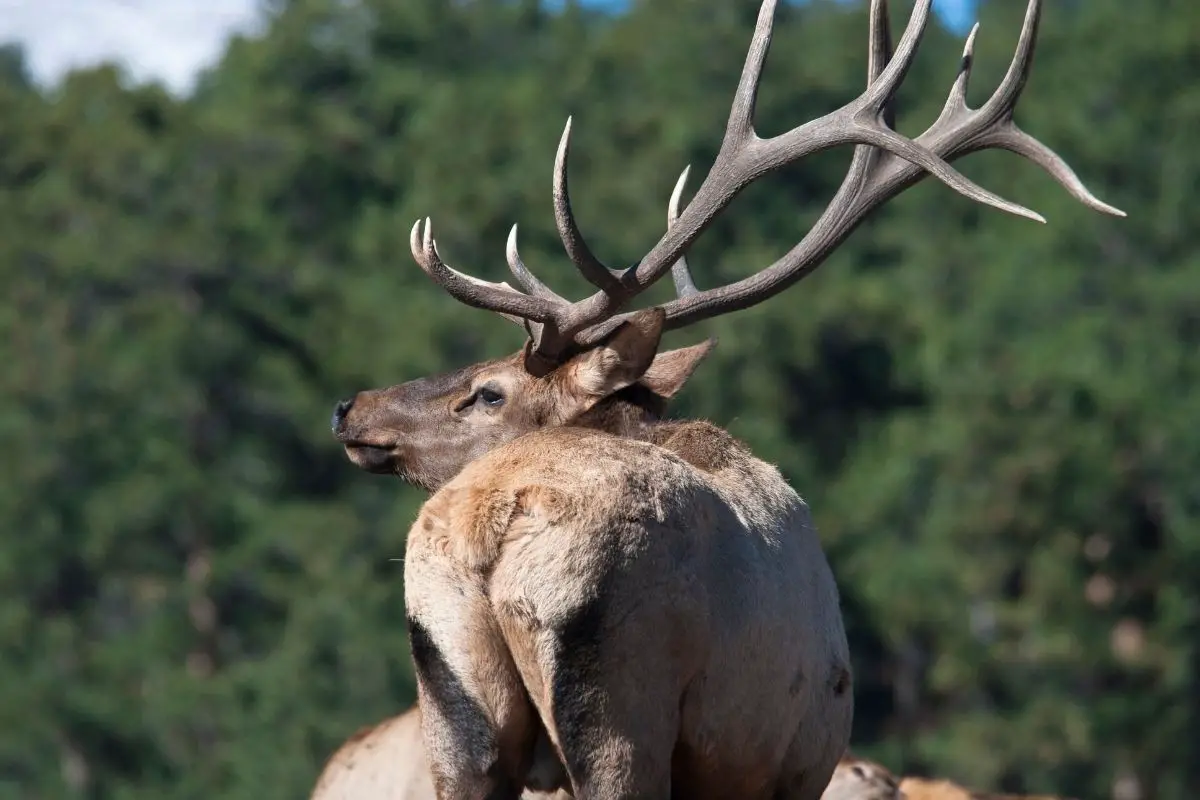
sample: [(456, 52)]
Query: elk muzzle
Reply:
[(363, 451)]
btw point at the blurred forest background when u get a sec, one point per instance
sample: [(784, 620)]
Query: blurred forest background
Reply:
[(995, 422)]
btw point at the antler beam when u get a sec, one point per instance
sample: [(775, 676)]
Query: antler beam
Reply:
[(885, 163)]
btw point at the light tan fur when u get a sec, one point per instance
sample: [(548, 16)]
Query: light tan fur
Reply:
[(926, 789), (861, 779), (674, 627), (387, 762), (384, 762), (915, 788)]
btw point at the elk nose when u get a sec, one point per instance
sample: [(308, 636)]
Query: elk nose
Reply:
[(339, 414)]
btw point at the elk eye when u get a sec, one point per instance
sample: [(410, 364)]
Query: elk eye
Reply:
[(490, 397)]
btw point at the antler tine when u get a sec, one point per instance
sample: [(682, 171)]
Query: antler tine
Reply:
[(498, 297), (528, 281), (1018, 141), (681, 274), (881, 90), (958, 92), (1004, 99), (421, 260), (880, 53), (740, 127), (577, 249)]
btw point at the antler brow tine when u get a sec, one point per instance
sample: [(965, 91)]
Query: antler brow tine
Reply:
[(500, 298)]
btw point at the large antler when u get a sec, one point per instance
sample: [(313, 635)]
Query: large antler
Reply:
[(885, 163)]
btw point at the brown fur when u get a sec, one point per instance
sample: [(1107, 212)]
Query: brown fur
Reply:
[(387, 762), (860, 779), (425, 430)]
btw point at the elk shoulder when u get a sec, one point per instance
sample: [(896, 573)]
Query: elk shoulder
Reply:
[(584, 479)]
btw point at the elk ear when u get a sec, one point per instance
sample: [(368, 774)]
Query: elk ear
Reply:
[(670, 370), (620, 360)]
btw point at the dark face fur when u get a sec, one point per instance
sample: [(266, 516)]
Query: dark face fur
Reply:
[(425, 431)]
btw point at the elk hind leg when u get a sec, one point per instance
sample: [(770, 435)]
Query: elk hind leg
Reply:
[(478, 725), (613, 702)]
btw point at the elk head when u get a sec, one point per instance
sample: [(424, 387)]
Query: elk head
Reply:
[(428, 429), (586, 362)]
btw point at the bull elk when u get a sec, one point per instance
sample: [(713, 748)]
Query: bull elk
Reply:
[(647, 594)]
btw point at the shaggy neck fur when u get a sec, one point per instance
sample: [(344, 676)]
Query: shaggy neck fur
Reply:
[(631, 413)]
